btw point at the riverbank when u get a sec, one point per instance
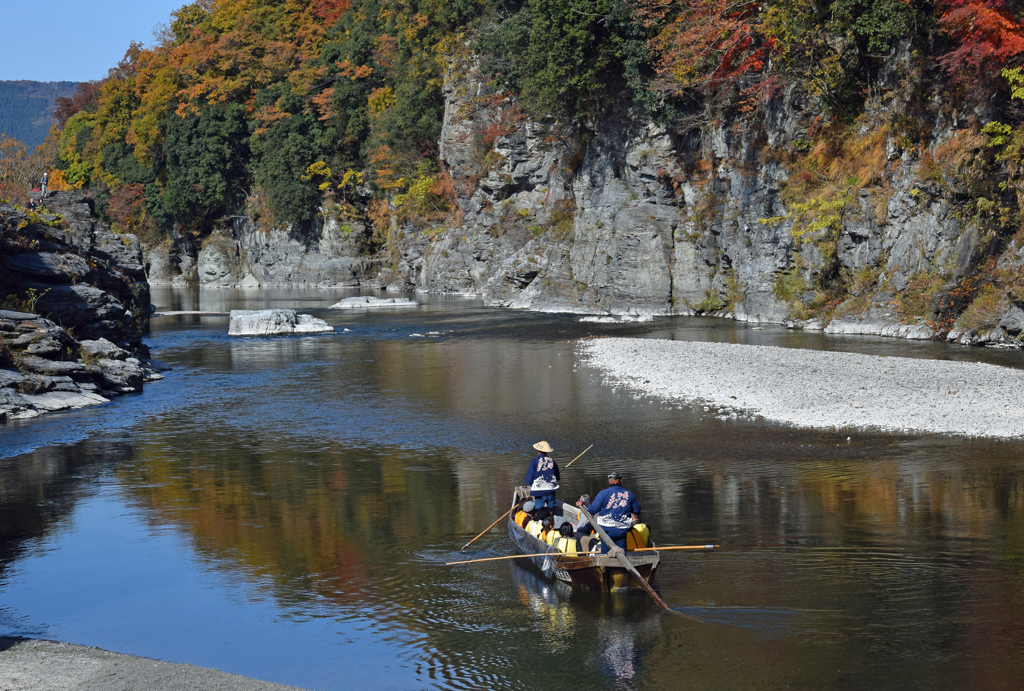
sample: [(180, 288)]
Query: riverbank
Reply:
[(822, 390), (34, 665)]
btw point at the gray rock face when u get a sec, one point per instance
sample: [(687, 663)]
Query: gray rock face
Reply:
[(245, 255), (274, 322), (625, 233), (75, 270)]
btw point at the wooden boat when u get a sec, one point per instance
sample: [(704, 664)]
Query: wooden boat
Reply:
[(597, 572)]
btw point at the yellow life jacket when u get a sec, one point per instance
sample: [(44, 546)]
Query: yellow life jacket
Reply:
[(551, 536), (534, 528), (638, 536), (566, 544), (519, 518)]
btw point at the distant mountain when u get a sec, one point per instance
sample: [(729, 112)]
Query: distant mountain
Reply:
[(26, 108)]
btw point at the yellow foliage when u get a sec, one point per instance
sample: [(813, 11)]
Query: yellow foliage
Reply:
[(381, 100), (429, 197), (349, 178), (320, 169)]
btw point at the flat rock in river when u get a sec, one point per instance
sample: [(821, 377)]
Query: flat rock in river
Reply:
[(370, 302), (273, 322)]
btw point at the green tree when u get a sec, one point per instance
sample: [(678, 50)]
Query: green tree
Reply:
[(205, 163), (282, 154)]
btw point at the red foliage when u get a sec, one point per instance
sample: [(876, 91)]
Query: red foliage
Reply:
[(386, 52), (126, 207), (706, 44), (330, 11), (86, 94), (990, 36)]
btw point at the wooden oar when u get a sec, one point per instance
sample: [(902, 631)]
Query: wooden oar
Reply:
[(488, 528), (665, 549), (577, 554), (626, 564), (578, 457), (522, 556)]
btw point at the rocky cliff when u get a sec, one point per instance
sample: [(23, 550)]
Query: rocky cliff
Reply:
[(75, 306), (883, 225)]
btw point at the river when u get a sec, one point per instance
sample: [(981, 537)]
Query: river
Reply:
[(282, 508)]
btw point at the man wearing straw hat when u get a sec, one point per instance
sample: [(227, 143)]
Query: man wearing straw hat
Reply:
[(542, 477)]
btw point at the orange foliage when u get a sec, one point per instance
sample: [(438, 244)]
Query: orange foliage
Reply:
[(706, 44), (324, 103), (507, 122), (383, 164), (58, 183), (347, 69)]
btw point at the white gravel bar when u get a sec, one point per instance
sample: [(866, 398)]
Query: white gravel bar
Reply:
[(818, 389)]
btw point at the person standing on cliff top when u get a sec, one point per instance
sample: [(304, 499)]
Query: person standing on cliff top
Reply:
[(42, 182), (542, 477)]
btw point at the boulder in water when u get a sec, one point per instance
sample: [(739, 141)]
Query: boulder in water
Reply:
[(371, 302), (273, 322)]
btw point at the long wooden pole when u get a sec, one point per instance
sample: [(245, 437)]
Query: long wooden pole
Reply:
[(488, 528), (620, 555), (580, 456), (522, 556), (666, 549), (580, 554)]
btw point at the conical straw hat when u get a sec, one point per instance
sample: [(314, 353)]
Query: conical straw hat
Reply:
[(543, 447)]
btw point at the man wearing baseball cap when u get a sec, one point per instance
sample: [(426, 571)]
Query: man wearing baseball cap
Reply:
[(616, 509), (542, 477)]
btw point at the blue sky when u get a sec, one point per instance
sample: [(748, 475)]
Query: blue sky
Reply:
[(74, 40)]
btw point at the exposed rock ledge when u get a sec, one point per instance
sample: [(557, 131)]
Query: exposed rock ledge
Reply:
[(77, 306), (43, 369), (275, 322), (824, 390)]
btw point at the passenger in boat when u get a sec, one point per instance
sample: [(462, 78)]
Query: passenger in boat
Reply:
[(536, 526), (581, 520), (616, 509), (542, 476), (584, 531), (566, 542), (550, 531), (638, 537), (525, 514)]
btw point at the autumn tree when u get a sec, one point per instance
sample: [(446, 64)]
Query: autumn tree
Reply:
[(706, 45), (15, 170), (989, 36)]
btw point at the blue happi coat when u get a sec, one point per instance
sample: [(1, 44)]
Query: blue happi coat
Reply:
[(612, 507), (542, 476)]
